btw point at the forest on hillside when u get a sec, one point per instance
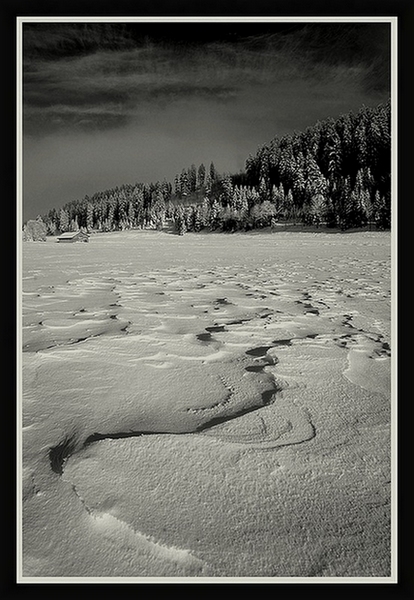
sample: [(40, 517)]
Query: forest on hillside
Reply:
[(336, 173)]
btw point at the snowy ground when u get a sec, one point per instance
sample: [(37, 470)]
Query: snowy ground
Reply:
[(207, 406)]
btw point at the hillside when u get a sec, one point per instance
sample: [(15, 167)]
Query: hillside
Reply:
[(335, 173)]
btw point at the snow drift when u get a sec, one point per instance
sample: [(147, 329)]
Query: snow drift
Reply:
[(207, 406)]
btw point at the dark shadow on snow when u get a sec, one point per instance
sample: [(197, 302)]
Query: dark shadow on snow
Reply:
[(59, 453)]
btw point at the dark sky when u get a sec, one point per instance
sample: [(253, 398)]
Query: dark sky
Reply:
[(106, 104)]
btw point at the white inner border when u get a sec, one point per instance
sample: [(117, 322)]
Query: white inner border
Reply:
[(393, 21)]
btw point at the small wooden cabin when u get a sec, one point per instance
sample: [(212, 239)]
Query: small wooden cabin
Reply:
[(73, 236)]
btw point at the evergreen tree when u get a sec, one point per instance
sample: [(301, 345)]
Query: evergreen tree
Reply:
[(158, 209), (208, 185), (74, 225), (215, 216), (243, 205), (189, 217), (263, 190), (137, 202), (198, 221), (383, 213), (299, 186), (318, 209), (177, 186), (288, 205), (376, 207), (121, 209), (279, 197), (332, 155), (184, 183), (63, 220), (252, 196), (201, 176), (205, 212), (131, 213), (235, 202), (361, 141), (252, 170), (287, 164), (227, 191), (192, 178), (316, 184), (51, 228), (89, 217), (343, 195), (181, 223), (109, 222), (213, 172), (330, 213), (262, 214)]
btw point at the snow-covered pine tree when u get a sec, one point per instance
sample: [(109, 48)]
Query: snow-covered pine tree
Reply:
[(63, 220), (201, 176)]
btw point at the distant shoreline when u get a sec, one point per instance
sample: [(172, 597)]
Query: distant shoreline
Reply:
[(289, 228)]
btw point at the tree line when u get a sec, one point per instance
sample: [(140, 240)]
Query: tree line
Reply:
[(336, 173)]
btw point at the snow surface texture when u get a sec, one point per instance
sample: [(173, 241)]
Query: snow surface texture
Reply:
[(207, 406)]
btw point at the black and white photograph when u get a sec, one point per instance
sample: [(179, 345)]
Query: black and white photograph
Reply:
[(207, 344)]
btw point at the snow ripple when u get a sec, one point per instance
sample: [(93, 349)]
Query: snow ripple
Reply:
[(119, 530)]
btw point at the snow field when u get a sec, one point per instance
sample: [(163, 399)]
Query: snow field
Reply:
[(226, 403)]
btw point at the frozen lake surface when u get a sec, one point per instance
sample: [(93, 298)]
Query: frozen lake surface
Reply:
[(209, 405)]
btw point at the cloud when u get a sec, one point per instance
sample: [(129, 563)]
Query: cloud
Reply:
[(107, 87)]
